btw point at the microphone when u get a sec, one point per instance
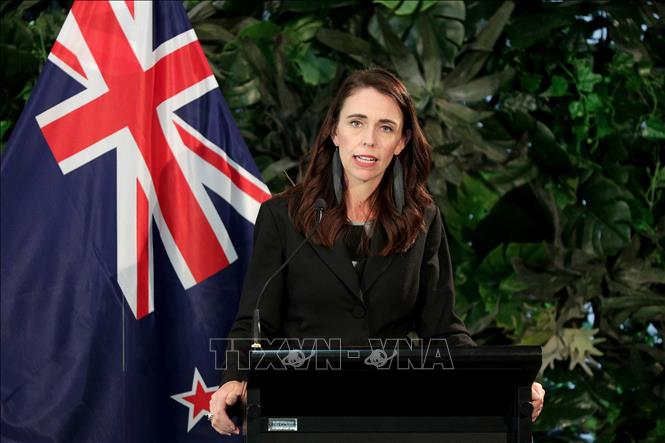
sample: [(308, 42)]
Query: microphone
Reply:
[(319, 207)]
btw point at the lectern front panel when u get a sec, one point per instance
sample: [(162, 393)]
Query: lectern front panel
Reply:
[(482, 396)]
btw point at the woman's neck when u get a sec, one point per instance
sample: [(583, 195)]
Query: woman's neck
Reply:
[(358, 207)]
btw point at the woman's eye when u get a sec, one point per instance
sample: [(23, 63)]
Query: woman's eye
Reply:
[(386, 129), (355, 123)]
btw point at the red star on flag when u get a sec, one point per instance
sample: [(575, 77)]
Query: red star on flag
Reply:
[(197, 399)]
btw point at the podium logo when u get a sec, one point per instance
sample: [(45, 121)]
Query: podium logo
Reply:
[(324, 354), (379, 358), (296, 358)]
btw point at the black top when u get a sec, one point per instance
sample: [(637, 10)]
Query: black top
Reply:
[(356, 239), (319, 294)]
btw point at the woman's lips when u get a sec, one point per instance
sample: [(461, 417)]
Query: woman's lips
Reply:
[(365, 161)]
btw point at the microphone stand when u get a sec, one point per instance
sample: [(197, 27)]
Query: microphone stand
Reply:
[(319, 207)]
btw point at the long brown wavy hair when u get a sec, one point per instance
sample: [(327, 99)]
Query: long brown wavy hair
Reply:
[(401, 229)]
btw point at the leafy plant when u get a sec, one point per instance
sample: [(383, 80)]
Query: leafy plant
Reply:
[(27, 32)]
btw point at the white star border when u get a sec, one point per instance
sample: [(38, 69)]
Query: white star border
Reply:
[(180, 398)]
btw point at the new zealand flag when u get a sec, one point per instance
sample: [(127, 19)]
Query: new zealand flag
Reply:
[(128, 203)]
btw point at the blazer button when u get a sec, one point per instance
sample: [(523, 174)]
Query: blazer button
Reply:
[(358, 312)]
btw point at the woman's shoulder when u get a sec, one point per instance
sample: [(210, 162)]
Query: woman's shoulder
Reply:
[(432, 214), (285, 201), (273, 218), (277, 206)]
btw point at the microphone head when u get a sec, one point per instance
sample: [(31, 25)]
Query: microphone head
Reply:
[(320, 204)]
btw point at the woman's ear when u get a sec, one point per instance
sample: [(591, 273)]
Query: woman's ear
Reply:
[(403, 142), (333, 136)]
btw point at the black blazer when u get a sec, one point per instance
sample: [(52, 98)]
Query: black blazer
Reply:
[(319, 294)]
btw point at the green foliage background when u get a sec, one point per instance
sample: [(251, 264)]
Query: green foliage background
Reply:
[(546, 119)]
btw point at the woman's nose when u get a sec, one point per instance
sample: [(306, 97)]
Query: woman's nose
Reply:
[(369, 139)]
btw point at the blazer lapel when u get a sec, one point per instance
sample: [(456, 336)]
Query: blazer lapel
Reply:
[(339, 262), (376, 264)]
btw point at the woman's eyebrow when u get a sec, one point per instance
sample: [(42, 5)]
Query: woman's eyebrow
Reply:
[(363, 116)]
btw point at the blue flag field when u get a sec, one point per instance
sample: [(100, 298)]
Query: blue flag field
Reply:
[(128, 200)]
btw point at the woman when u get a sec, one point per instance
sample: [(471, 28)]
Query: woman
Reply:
[(377, 264)]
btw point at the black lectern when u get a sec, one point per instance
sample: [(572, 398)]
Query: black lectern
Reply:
[(478, 394)]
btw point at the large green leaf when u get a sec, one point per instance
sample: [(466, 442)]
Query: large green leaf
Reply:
[(431, 55), (469, 204), (477, 52), (448, 18), (404, 61), (497, 268), (557, 88), (259, 31), (511, 175), (390, 4), (200, 12), (407, 7), (534, 255), (243, 95), (453, 113), (476, 90), (314, 69), (345, 43), (601, 219), (494, 267), (472, 140), (212, 32), (542, 285), (301, 30), (586, 78)]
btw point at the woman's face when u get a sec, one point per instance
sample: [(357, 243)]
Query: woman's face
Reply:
[(368, 133)]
